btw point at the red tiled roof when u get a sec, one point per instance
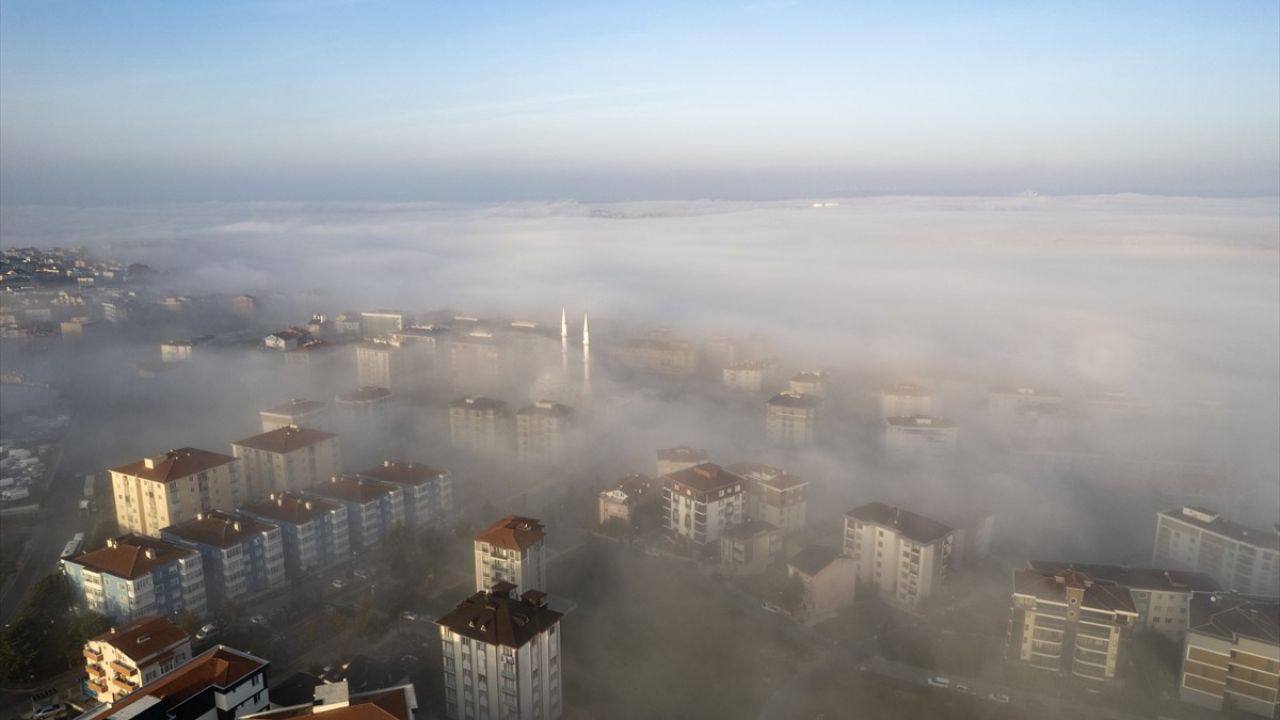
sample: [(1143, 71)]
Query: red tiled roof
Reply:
[(512, 533), (389, 704), (217, 528), (290, 508), (130, 556), (403, 473), (175, 464), (219, 667), (350, 488), (704, 478), (286, 439), (143, 638)]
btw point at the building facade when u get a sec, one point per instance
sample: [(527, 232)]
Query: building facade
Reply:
[(288, 459), (774, 496), (679, 458), (543, 432), (428, 492), (748, 375), (314, 531), (829, 579), (512, 550), (127, 657), (626, 498), (791, 419), (162, 490), (808, 382), (702, 502), (749, 547), (480, 425), (219, 684), (304, 413), (920, 436), (1240, 558), (905, 400), (134, 576), (502, 656), (1232, 653), (242, 557), (903, 556), (373, 506)]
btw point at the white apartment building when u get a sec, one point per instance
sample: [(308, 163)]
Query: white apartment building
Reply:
[(125, 658), (543, 432), (480, 424), (288, 459), (903, 556), (1240, 558), (1008, 402), (809, 382), (920, 435), (304, 413), (502, 657), (748, 375), (905, 400), (701, 502), (1232, 653), (171, 488), (380, 364), (512, 550), (773, 495), (791, 419)]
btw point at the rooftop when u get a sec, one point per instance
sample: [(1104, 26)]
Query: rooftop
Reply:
[(547, 408), (290, 508), (286, 439), (905, 390), (1215, 523), (1230, 616), (478, 402), (916, 528), (1051, 585), (403, 473), (398, 703), (296, 407), (218, 529), (219, 667), (1136, 578), (495, 618), (704, 478), (352, 488), (174, 464), (916, 421), (513, 533), (683, 453), (783, 481), (754, 470), (809, 376), (143, 638), (814, 559), (795, 400), (130, 556)]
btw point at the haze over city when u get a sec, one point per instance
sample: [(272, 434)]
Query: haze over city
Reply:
[(640, 360)]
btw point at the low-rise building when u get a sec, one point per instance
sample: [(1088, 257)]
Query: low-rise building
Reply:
[(808, 382), (428, 492), (701, 502), (242, 557), (903, 556), (129, 656), (1065, 623), (314, 531), (905, 400), (162, 490), (502, 656), (373, 506), (512, 550), (219, 684), (680, 458), (288, 459), (1239, 557), (336, 701), (480, 425), (1231, 654), (134, 575), (829, 579), (791, 419), (543, 432), (920, 435), (627, 497), (297, 412), (749, 547)]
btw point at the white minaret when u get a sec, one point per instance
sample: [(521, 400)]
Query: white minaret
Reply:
[(564, 325), (586, 358), (586, 332), (564, 344)]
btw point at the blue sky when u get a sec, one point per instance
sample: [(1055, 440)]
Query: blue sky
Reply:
[(287, 99)]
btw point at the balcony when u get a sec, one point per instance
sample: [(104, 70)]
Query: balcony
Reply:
[(122, 685), (97, 688), (92, 655), (94, 669), (120, 668)]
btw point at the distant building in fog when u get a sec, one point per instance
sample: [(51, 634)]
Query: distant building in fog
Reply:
[(373, 506), (287, 459), (905, 400), (512, 550), (920, 435), (701, 502), (380, 323), (380, 364), (305, 413), (627, 497), (480, 425), (829, 580), (314, 531), (750, 547), (1004, 402), (720, 351), (678, 458), (163, 490), (791, 419), (659, 353), (1241, 558), (428, 492), (903, 556), (172, 351), (808, 382), (749, 375), (543, 432)]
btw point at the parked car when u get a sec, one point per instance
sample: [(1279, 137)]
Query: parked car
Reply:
[(49, 712), (410, 616), (206, 631), (961, 687), (338, 583), (1001, 698), (258, 620), (363, 573), (939, 682), (771, 607)]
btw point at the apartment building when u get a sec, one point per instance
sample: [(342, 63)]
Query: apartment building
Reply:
[(659, 353), (373, 506), (1239, 557), (380, 323), (288, 459), (162, 490), (627, 497), (134, 575), (749, 547), (829, 579), (679, 458), (747, 375), (543, 432), (512, 550), (381, 363), (242, 557), (701, 502), (1007, 402), (314, 531), (920, 435), (774, 496), (905, 400), (903, 556), (219, 684), (335, 701), (480, 425), (1231, 655), (475, 359), (297, 412), (428, 492), (502, 656), (1162, 598), (791, 419), (808, 382), (1066, 623), (127, 657)]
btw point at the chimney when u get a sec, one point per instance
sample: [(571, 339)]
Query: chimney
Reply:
[(149, 553), (386, 463), (236, 526)]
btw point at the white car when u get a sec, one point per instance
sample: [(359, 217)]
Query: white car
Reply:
[(410, 616), (258, 620), (48, 712), (363, 574), (338, 583), (939, 682), (770, 607), (998, 698)]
